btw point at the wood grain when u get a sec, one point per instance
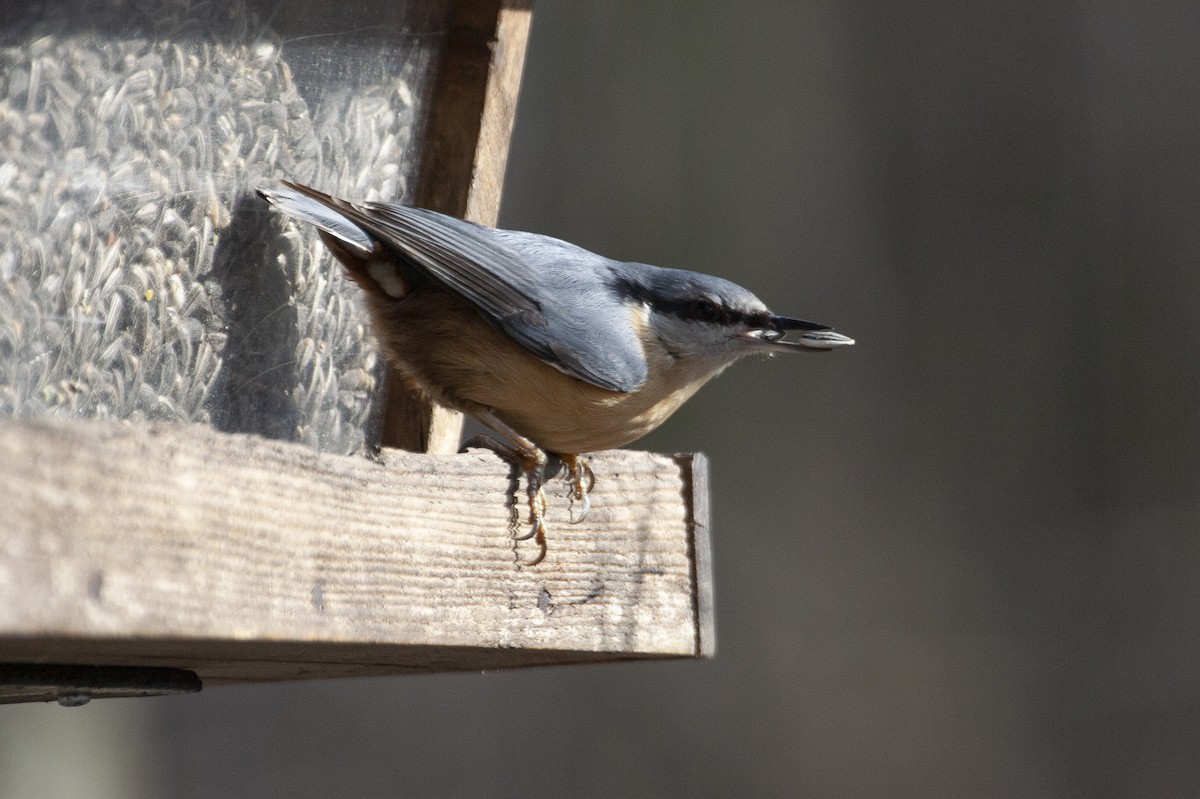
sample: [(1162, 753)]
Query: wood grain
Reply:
[(249, 559)]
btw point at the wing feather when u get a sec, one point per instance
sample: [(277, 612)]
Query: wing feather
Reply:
[(551, 297)]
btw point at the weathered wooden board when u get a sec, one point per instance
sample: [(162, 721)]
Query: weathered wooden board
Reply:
[(248, 559)]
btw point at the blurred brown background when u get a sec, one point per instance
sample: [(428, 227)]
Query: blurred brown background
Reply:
[(959, 559)]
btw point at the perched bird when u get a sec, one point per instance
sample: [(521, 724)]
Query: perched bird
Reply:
[(553, 347)]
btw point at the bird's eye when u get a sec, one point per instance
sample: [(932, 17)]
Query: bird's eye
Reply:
[(704, 311)]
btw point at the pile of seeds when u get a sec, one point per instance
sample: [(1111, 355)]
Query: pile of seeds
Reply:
[(140, 276)]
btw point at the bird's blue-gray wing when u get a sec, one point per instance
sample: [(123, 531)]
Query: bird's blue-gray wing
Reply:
[(549, 296)]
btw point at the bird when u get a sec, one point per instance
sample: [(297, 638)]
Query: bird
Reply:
[(554, 348)]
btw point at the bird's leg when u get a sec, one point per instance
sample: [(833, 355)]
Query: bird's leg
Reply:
[(530, 459), (579, 473)]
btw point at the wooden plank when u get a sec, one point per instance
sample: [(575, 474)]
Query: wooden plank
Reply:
[(699, 499), (464, 155), (248, 559)]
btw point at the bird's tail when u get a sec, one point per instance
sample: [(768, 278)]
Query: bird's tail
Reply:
[(321, 210)]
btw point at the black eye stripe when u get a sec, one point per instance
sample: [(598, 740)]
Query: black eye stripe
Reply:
[(705, 310), (713, 313)]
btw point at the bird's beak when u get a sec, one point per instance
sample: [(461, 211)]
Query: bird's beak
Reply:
[(812, 335)]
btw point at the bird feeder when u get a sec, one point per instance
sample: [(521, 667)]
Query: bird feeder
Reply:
[(202, 475)]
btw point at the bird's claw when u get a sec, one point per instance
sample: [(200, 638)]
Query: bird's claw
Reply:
[(579, 473), (537, 514), (537, 525), (534, 526), (583, 512), (537, 519), (538, 532)]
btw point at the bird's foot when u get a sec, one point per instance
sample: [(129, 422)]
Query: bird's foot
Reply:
[(532, 461)]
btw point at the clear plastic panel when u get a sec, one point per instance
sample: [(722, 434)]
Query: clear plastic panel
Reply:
[(141, 277)]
